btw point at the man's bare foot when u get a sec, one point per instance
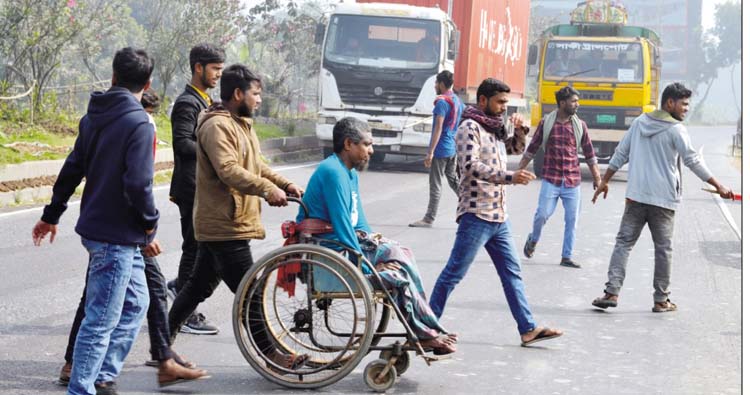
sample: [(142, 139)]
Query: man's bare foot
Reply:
[(538, 334)]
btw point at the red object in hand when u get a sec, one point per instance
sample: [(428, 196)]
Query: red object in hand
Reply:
[(737, 196)]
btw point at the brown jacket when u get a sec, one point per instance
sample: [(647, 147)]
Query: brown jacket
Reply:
[(230, 177)]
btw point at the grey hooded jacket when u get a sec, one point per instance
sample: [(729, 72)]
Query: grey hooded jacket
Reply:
[(654, 146)]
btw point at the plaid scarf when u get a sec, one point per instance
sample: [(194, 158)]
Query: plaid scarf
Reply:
[(493, 124)]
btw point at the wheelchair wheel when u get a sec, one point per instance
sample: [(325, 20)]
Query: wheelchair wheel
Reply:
[(401, 364), (376, 378), (307, 304)]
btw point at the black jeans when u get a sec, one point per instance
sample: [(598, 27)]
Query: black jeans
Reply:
[(215, 261), (158, 328), (189, 245)]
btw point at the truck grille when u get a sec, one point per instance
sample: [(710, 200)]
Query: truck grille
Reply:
[(596, 95), (391, 96), (384, 133)]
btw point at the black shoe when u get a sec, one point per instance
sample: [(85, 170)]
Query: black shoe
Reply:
[(172, 289), (106, 388), (198, 325), (529, 247), (567, 262)]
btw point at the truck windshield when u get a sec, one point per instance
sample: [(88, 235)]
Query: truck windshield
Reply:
[(593, 61), (383, 42)]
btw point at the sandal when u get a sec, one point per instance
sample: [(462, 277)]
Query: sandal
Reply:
[(288, 361), (663, 307), (544, 334)]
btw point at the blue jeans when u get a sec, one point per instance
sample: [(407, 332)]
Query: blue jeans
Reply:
[(571, 200), (116, 303), (472, 234)]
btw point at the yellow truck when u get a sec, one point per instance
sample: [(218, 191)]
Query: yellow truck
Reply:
[(615, 68)]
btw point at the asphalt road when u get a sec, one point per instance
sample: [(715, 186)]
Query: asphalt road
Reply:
[(627, 350)]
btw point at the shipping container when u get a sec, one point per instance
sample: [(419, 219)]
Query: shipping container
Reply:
[(493, 41)]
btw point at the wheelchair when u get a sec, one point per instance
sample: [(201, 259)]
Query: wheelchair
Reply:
[(305, 315)]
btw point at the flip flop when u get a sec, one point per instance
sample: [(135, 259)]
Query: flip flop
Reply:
[(544, 334)]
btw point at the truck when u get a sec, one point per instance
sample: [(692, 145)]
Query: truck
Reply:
[(380, 60), (615, 67)]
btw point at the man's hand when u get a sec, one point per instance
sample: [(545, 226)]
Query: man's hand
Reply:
[(428, 160), (517, 120), (597, 182), (40, 231), (152, 249), (276, 198), (294, 190), (725, 192), (522, 176), (390, 265), (602, 188)]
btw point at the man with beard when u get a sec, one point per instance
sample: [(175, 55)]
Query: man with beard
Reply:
[(230, 180), (333, 197), (441, 155), (560, 136), (206, 64), (654, 146), (483, 143)]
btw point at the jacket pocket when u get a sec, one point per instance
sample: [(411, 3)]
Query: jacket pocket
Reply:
[(238, 206)]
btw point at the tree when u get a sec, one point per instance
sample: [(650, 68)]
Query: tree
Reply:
[(172, 27), (35, 35), (720, 48)]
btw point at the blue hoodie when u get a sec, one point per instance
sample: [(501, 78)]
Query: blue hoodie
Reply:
[(652, 146), (117, 205)]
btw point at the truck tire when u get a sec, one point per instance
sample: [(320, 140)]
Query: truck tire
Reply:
[(377, 157), (538, 163)]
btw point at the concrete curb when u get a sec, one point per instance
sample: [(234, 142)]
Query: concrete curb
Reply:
[(281, 150)]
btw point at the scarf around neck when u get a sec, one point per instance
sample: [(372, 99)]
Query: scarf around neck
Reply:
[(493, 124)]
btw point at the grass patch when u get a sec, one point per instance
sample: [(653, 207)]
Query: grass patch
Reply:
[(163, 128), (41, 144), (267, 131)]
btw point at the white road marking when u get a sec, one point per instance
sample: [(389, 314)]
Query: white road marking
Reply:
[(159, 188)]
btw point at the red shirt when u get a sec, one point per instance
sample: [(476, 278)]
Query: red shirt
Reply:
[(561, 166)]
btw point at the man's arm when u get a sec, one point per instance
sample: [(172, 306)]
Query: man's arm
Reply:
[(437, 130), (280, 181), (536, 143), (70, 176), (184, 120), (339, 213), (219, 143), (469, 160), (516, 144), (590, 155), (694, 162), (139, 175)]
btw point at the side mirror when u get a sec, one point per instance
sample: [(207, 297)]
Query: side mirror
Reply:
[(320, 32), (453, 44), (533, 53)]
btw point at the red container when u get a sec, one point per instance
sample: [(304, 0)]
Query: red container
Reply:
[(494, 40)]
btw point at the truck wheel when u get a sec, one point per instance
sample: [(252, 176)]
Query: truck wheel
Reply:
[(538, 164), (377, 157), (327, 152)]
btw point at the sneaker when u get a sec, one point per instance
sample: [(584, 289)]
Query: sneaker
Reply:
[(172, 289), (64, 378), (529, 247), (567, 262), (421, 224), (105, 388), (198, 325)]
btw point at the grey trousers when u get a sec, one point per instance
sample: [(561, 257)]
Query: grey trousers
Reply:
[(441, 167), (661, 224)]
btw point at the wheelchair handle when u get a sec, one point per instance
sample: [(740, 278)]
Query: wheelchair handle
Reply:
[(299, 201)]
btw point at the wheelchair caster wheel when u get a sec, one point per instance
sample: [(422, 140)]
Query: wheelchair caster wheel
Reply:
[(373, 370), (402, 363)]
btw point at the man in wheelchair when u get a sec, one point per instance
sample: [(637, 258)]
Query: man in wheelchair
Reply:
[(333, 196)]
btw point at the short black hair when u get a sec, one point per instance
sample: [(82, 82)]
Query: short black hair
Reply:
[(205, 54), (446, 77), (150, 99), (132, 69), (675, 91), (565, 93), (236, 76), (348, 128), (491, 87)]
